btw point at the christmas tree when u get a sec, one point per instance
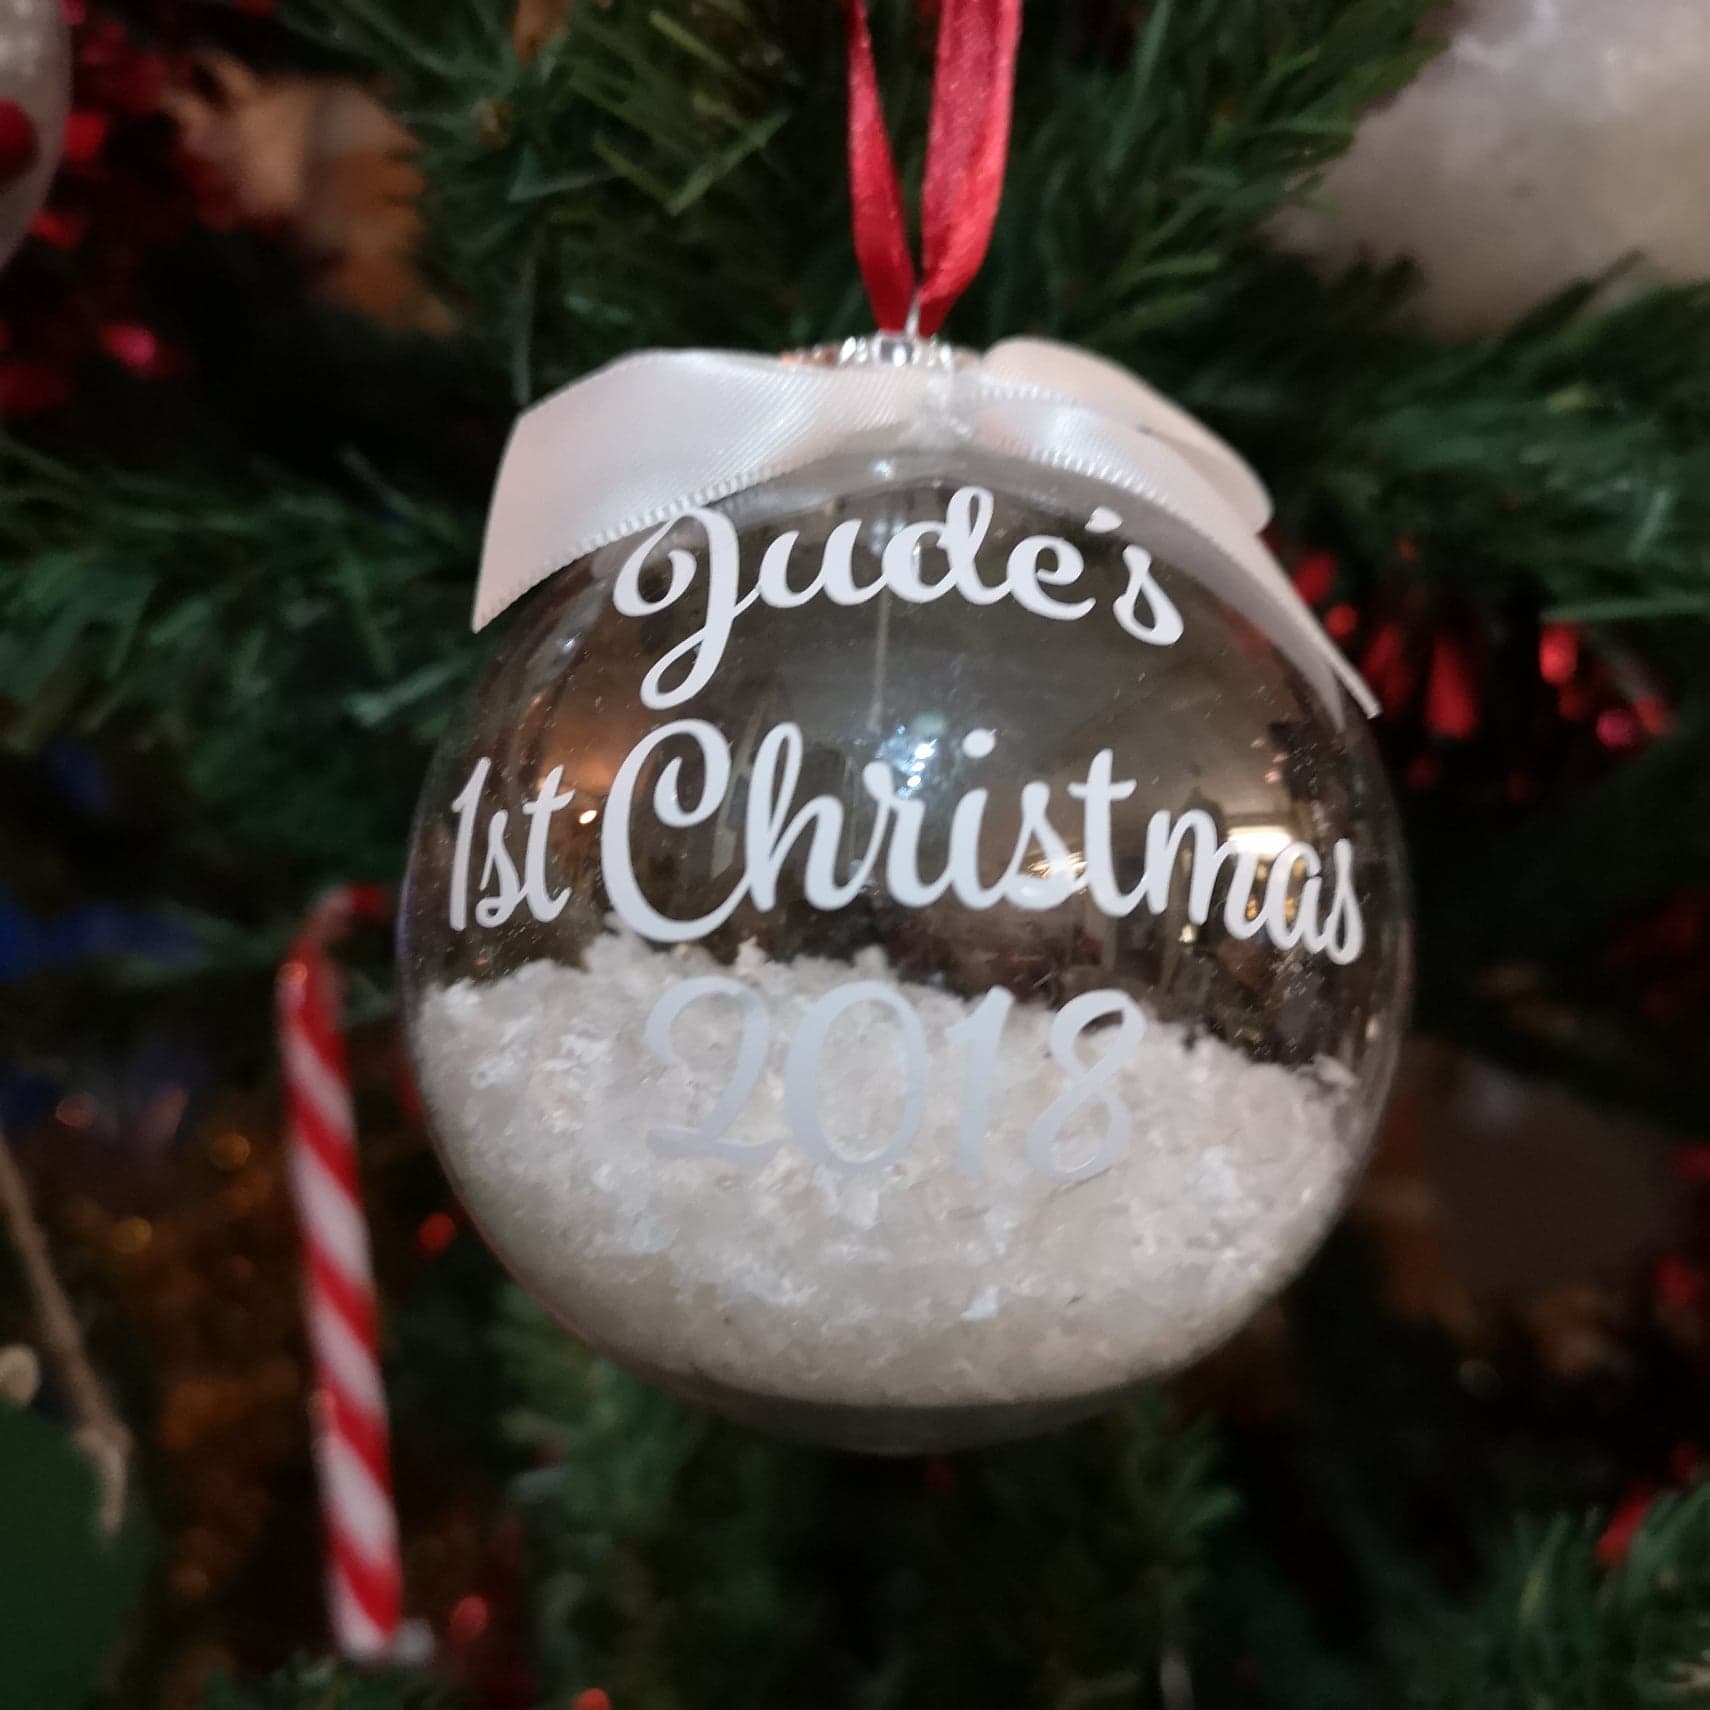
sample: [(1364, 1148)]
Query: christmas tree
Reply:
[(260, 353)]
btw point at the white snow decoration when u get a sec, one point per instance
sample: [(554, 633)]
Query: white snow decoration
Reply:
[(908, 1286), (1551, 140)]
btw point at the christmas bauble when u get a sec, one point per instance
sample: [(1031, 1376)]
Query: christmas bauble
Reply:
[(896, 956), (35, 94)]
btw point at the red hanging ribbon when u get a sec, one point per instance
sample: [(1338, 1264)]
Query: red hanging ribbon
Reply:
[(973, 82)]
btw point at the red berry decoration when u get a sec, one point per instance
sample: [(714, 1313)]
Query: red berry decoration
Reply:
[(17, 142)]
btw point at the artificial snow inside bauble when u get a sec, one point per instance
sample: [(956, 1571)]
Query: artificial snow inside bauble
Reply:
[(897, 956)]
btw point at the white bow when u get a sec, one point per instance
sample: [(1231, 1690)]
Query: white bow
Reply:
[(665, 430)]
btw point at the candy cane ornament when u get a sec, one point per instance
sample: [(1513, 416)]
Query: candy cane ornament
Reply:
[(352, 1449)]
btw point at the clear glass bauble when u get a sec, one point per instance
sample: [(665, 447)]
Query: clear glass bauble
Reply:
[(35, 74), (909, 1008)]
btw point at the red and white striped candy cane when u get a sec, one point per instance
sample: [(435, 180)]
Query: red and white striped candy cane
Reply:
[(352, 1452)]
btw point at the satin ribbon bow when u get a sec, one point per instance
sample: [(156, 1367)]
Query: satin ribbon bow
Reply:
[(663, 431)]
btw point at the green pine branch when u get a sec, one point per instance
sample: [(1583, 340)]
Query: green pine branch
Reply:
[(291, 647), (681, 1562), (1564, 461), (674, 173), (1556, 1629)]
